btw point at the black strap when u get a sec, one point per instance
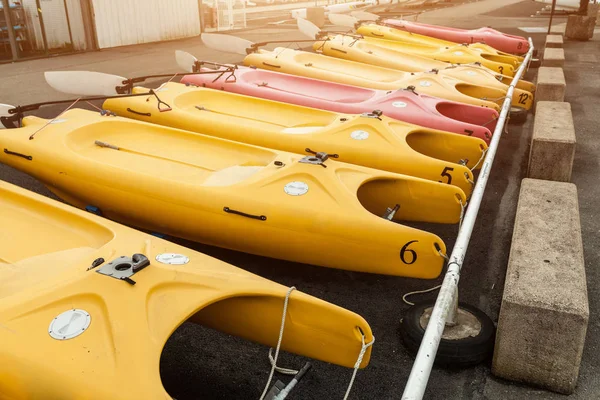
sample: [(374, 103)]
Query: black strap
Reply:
[(139, 113), (243, 214), (12, 153)]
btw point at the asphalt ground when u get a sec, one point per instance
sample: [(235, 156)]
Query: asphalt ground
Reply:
[(200, 363)]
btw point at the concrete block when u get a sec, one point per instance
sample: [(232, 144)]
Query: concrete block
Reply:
[(558, 29), (553, 58), (553, 142), (580, 27), (544, 314), (550, 84), (554, 42)]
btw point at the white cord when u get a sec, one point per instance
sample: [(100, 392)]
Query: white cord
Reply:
[(281, 370), (358, 362), (274, 362), (418, 292), (480, 159)]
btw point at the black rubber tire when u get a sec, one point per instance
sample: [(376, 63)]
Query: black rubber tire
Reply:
[(460, 353), (535, 52), (518, 116), (535, 63)]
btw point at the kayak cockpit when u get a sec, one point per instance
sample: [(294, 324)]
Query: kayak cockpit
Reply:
[(172, 154), (37, 230), (417, 200), (306, 87), (267, 114), (351, 68), (443, 145)]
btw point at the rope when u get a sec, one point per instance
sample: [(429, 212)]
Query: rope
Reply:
[(496, 99), (281, 370), (490, 121), (55, 118), (410, 303), (358, 361), (93, 105), (274, 362), (462, 214), (480, 159)]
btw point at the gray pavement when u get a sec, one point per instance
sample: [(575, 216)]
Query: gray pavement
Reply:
[(201, 363)]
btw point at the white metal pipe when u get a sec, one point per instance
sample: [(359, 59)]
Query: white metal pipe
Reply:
[(419, 375)]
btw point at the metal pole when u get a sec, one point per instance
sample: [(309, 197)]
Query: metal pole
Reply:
[(39, 10), (201, 11), (583, 7), (69, 24), (11, 33), (419, 375), (551, 16)]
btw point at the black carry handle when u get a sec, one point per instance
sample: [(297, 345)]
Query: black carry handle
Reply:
[(243, 214)]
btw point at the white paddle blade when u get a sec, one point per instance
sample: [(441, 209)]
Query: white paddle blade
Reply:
[(308, 28), (365, 16), (4, 110), (226, 43), (84, 83), (342, 20), (185, 60)]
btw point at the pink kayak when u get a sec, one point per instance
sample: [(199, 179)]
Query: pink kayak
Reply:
[(404, 105), (498, 40)]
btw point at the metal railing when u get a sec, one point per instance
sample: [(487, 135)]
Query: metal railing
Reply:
[(445, 305)]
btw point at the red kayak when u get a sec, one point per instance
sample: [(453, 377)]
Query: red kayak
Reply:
[(404, 105), (498, 40)]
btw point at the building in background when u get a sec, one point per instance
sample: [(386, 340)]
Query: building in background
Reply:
[(33, 28)]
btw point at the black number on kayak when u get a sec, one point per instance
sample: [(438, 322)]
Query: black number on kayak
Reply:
[(523, 97), (520, 45), (445, 174), (501, 68), (413, 254)]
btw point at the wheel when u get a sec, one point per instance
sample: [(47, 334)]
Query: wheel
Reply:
[(517, 115), (468, 343)]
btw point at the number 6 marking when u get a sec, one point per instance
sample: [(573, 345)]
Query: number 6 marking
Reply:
[(405, 250)]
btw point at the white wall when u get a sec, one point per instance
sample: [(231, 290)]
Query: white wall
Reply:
[(55, 23), (124, 22)]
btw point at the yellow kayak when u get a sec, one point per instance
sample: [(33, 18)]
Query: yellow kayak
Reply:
[(369, 140), (69, 330), (456, 54), (306, 209), (391, 54), (476, 52), (331, 69)]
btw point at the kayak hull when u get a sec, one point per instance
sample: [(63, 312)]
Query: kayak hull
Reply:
[(500, 41), (401, 105), (368, 140), (238, 196), (319, 66), (481, 49), (478, 80), (46, 270)]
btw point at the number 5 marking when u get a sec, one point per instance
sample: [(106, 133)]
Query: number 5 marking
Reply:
[(447, 175)]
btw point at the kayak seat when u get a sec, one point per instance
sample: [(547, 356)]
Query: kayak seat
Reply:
[(25, 273), (231, 175)]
